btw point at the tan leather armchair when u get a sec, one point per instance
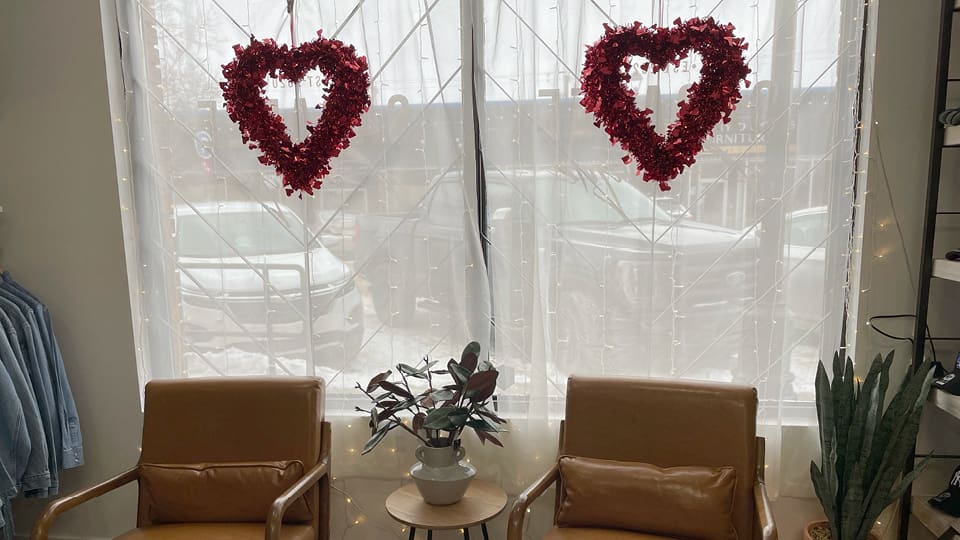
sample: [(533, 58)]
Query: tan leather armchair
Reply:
[(227, 421), (664, 423)]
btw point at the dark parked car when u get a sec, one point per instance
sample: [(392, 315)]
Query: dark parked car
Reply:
[(612, 268)]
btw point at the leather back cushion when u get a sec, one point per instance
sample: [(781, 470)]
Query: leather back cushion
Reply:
[(233, 419), (219, 492), (668, 424), (680, 502)]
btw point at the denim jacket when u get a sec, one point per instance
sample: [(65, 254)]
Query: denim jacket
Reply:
[(14, 440), (70, 436), (34, 477), (6, 516), (39, 376)]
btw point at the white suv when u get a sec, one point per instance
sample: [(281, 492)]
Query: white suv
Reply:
[(244, 284)]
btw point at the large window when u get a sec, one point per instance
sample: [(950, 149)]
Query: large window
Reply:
[(479, 201)]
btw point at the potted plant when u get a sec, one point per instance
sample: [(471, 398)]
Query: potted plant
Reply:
[(863, 445), (436, 414)]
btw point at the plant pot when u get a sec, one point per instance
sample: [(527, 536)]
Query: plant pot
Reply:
[(439, 475), (812, 531)]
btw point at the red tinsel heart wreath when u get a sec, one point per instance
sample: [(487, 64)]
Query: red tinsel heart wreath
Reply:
[(346, 81), (606, 71)]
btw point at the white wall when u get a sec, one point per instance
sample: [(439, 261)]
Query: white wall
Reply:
[(900, 137), (60, 232)]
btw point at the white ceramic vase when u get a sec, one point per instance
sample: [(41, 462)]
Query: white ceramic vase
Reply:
[(440, 476)]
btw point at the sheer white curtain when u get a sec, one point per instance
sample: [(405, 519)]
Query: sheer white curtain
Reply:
[(739, 273), (478, 201)]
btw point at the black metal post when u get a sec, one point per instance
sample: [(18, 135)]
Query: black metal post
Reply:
[(930, 223)]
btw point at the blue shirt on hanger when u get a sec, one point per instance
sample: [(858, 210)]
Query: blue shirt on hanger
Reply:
[(40, 379), (14, 442), (70, 436), (34, 476)]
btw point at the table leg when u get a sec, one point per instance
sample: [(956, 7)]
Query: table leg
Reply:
[(466, 533), (429, 534), (413, 533), (483, 527)]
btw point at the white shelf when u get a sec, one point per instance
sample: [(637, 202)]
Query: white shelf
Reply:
[(946, 401), (945, 269), (951, 136), (934, 520)]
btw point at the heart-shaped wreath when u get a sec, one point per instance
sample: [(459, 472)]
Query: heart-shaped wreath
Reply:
[(346, 82), (606, 71)]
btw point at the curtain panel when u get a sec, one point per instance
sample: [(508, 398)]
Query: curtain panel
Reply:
[(479, 202)]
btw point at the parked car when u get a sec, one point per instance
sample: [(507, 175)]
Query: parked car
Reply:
[(337, 231), (244, 284), (806, 230), (594, 236)]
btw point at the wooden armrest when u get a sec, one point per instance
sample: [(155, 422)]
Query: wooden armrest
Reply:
[(42, 527), (280, 505), (525, 499), (766, 526)]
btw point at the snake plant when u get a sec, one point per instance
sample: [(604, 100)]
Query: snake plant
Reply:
[(864, 446)]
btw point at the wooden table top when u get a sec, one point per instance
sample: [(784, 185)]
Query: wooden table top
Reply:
[(482, 502)]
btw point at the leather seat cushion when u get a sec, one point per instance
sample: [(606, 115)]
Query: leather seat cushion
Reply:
[(569, 533), (217, 531)]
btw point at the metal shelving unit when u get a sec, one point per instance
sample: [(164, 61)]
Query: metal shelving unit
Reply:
[(941, 525)]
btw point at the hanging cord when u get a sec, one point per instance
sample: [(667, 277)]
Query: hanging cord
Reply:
[(296, 85), (933, 349)]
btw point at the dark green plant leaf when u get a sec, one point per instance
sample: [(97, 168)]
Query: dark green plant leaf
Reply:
[(825, 407), (396, 389), (418, 420), (902, 443), (458, 418), (438, 418), (455, 400), (410, 371), (844, 404), (460, 375), (482, 425), (378, 436), (376, 380), (824, 494), (481, 386), (446, 418), (442, 395), (491, 415), (484, 437), (471, 349)]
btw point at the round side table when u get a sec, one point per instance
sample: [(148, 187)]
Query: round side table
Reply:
[(482, 502)]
